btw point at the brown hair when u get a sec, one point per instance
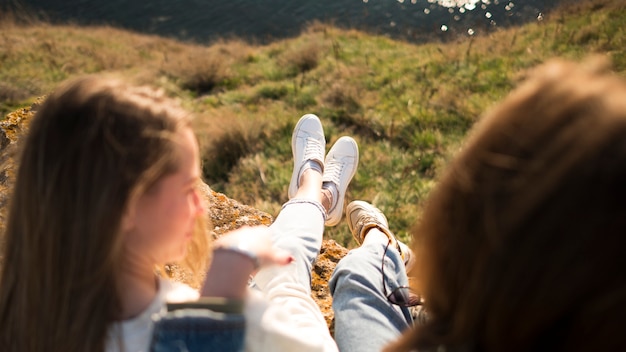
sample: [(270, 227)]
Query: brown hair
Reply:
[(523, 241), (93, 146)]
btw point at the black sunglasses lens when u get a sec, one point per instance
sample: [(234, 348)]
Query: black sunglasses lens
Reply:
[(403, 296)]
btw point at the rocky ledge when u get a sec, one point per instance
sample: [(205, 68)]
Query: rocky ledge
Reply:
[(225, 213)]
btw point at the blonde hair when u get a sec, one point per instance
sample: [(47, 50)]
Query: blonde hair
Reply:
[(523, 241), (92, 147)]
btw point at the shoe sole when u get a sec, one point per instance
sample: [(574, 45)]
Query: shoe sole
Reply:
[(297, 164)]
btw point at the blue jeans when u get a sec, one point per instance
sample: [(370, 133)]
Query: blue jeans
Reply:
[(364, 319), (191, 330)]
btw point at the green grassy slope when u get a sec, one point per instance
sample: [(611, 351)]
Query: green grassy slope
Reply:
[(409, 106)]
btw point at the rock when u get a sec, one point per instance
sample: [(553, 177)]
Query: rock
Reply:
[(330, 254), (224, 213), (11, 128)]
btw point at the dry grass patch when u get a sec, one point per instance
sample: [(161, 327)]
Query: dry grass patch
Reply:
[(302, 57), (207, 69), (226, 136), (11, 92), (201, 70)]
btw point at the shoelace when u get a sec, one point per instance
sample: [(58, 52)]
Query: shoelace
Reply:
[(365, 220), (313, 149), (371, 219), (332, 172)]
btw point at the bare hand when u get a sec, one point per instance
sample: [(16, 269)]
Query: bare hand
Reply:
[(229, 271), (256, 240)]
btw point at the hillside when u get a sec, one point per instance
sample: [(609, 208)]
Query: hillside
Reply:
[(409, 106)]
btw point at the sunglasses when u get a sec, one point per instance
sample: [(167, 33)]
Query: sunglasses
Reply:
[(402, 296)]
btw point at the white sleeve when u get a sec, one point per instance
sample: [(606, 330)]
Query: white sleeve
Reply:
[(176, 292), (285, 318)]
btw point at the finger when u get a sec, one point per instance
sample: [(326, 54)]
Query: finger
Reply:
[(276, 257), (282, 257)]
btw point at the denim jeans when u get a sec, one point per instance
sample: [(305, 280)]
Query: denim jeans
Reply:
[(364, 319), (191, 330)]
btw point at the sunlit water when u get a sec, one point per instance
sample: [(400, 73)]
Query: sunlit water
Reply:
[(264, 20)]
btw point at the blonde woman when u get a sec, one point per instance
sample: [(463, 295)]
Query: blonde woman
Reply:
[(107, 190)]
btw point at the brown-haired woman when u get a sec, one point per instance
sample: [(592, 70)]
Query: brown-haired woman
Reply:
[(522, 246), (107, 189)]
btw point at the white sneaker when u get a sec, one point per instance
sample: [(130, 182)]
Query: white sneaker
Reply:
[(340, 166), (307, 143), (362, 216)]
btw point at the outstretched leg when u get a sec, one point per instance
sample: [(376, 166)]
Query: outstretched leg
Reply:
[(365, 319), (299, 227), (317, 189)]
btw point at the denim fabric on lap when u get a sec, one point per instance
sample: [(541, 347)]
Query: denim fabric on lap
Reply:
[(192, 330)]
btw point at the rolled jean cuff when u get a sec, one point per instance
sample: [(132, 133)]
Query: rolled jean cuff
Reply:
[(317, 204)]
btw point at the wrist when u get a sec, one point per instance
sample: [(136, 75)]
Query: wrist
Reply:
[(240, 251), (228, 275)]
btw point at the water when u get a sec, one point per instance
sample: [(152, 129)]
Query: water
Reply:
[(265, 20)]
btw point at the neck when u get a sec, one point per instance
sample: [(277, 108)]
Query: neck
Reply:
[(138, 287)]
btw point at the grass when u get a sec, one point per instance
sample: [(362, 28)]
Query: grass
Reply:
[(408, 106)]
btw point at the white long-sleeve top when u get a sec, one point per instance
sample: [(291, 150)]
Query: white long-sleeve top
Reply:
[(285, 318)]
